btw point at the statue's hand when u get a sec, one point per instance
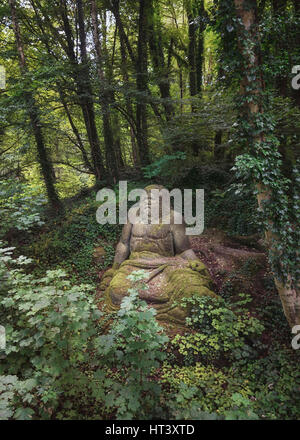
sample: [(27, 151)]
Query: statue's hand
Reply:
[(198, 266)]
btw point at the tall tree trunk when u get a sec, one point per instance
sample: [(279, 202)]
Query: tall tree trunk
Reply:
[(192, 50), (67, 45), (104, 97), (131, 119), (289, 295), (195, 12), (79, 142), (200, 45), (158, 61), (85, 87), (84, 90), (33, 112), (109, 69), (281, 80), (141, 83), (115, 8), (218, 151)]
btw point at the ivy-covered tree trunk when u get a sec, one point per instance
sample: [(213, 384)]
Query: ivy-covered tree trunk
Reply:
[(264, 163), (33, 113)]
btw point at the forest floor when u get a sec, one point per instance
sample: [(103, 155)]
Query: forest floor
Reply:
[(243, 266)]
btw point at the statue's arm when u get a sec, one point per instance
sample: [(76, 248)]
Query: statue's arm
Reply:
[(182, 243), (123, 247)]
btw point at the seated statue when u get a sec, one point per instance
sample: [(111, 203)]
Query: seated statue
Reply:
[(164, 252)]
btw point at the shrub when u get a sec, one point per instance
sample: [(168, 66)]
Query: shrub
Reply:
[(50, 327), (218, 331), (21, 206), (134, 346)]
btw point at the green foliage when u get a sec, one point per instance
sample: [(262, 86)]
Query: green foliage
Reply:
[(13, 393), (197, 389), (69, 242), (135, 345), (165, 166), (264, 388), (222, 332), (21, 206), (206, 393), (242, 409), (50, 326), (233, 209)]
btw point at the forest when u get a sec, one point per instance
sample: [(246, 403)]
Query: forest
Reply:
[(106, 321)]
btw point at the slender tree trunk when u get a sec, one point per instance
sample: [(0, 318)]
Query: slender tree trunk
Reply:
[(195, 10), (290, 297), (84, 90), (218, 152), (115, 4), (141, 83), (181, 88), (196, 14), (68, 46), (109, 66), (200, 46), (158, 61), (104, 97), (33, 112), (85, 87), (76, 133), (129, 109), (192, 52)]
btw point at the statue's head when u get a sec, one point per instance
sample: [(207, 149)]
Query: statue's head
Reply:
[(154, 199)]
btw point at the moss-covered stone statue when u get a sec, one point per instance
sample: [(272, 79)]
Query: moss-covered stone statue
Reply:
[(164, 251)]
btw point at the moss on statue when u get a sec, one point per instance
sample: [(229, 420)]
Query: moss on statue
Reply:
[(173, 280)]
